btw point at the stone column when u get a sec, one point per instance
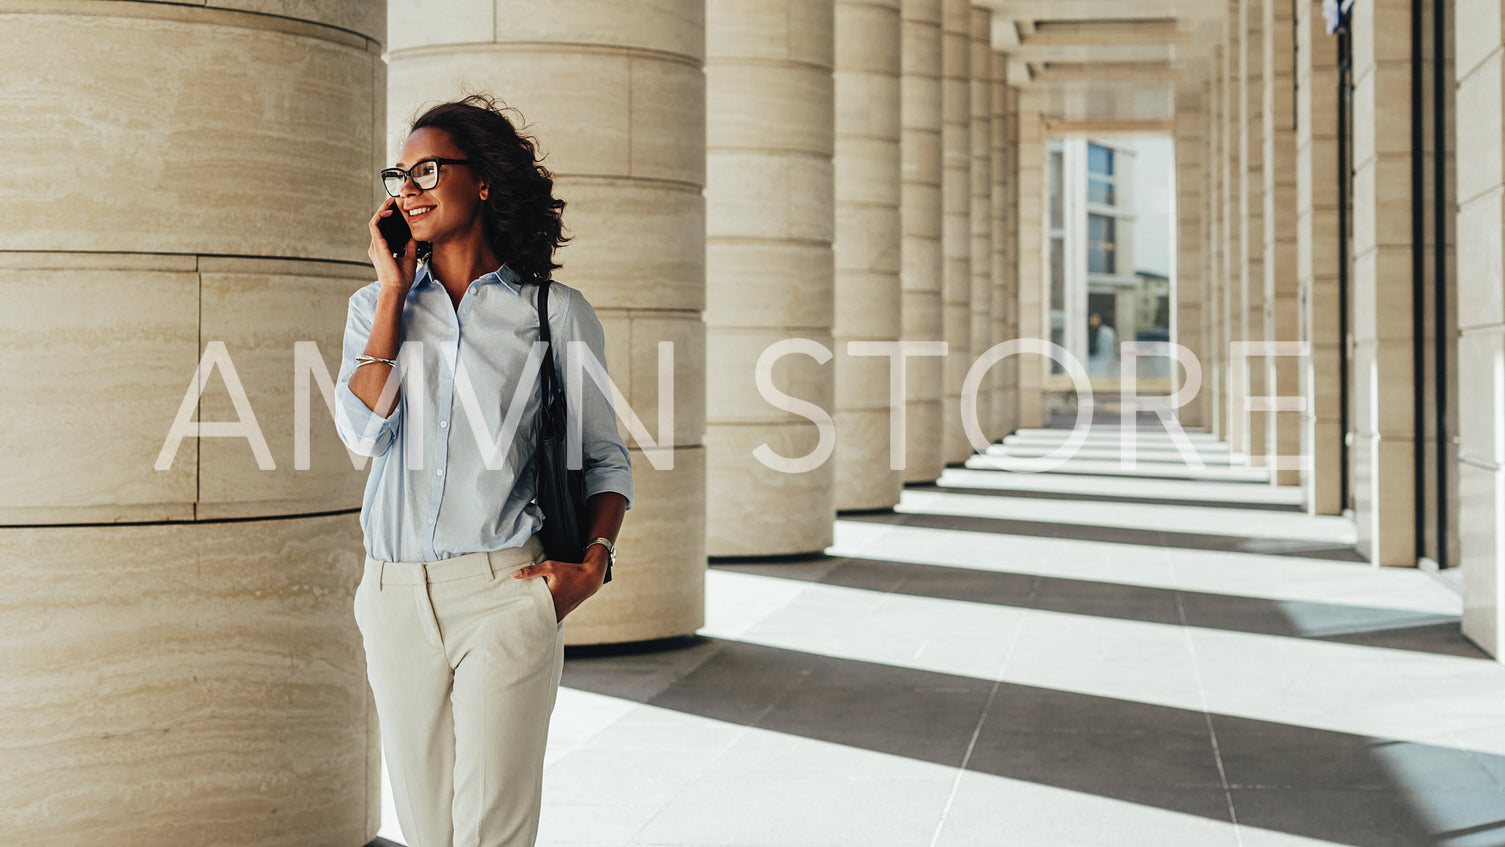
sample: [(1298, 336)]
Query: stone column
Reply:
[(1213, 406), (1006, 373), (1032, 221), (181, 664), (1249, 307), (1383, 441), (1233, 216), (770, 216), (956, 233), (1317, 239), (920, 216), (1481, 320), (1282, 304), (981, 218), (1191, 231), (868, 296), (616, 97)]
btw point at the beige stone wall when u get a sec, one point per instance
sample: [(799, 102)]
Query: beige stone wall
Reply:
[(1281, 301), (1318, 239), (770, 216), (173, 678), (867, 245), (1480, 71), (1383, 439), (920, 216), (956, 221), (1249, 307), (1191, 235), (1229, 314), (981, 219), (186, 683), (1213, 376), (616, 96)]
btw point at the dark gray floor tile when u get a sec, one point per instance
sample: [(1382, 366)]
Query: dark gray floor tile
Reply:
[(636, 676), (1100, 599), (929, 720), (971, 585), (1096, 763), (1120, 535), (1073, 496), (1301, 758), (810, 568), (872, 574), (1024, 708)]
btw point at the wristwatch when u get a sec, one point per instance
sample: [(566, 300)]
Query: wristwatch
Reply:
[(611, 550)]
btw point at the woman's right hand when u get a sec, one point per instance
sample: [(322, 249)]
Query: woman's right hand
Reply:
[(395, 273)]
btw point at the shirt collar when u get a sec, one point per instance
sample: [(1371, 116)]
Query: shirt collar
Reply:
[(505, 275)]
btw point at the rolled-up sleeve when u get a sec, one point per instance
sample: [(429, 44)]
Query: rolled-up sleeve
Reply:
[(362, 430), (604, 456)]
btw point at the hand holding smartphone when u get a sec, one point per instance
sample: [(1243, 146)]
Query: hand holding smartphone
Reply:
[(394, 228), (391, 241)]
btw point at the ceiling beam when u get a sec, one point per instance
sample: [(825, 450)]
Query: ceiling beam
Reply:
[(1032, 10), (1105, 32), (1056, 126), (1086, 53), (1103, 72)]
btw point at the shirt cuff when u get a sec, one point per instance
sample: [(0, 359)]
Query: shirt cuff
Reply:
[(598, 480), (363, 430)]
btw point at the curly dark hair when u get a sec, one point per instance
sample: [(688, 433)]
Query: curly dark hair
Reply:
[(521, 215)]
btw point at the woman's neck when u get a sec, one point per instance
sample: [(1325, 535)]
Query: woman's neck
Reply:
[(456, 263)]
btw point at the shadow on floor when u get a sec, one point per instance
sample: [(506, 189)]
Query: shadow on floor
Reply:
[(1117, 535), (1396, 629), (1343, 788), (980, 463), (1102, 498)]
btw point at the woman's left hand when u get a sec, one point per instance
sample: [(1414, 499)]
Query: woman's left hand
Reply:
[(571, 583)]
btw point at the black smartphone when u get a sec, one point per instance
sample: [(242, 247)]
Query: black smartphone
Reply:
[(394, 228)]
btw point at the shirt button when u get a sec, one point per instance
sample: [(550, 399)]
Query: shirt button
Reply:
[(441, 471), (443, 424), (431, 521)]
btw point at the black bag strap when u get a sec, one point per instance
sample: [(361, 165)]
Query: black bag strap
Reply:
[(548, 375)]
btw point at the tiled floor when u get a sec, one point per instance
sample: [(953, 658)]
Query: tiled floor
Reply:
[(1166, 655)]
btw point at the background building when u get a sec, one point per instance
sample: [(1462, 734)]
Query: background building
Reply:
[(1107, 240)]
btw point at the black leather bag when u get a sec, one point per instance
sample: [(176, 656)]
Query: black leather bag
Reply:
[(559, 491)]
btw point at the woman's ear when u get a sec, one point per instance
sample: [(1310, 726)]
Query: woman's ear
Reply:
[(483, 191)]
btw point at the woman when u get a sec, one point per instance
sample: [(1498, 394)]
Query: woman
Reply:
[(461, 613)]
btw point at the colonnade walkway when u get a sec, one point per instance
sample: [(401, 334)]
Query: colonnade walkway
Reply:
[(1093, 656)]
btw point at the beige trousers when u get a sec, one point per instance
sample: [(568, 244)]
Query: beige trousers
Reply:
[(464, 662)]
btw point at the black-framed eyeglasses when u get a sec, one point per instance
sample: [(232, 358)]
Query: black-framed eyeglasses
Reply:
[(425, 175)]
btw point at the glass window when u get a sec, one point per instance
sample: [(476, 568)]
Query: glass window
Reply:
[(1099, 190), (1102, 334), (1057, 214), (1101, 243), (1099, 160), (1057, 273)]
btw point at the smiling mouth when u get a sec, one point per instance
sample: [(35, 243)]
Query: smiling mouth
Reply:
[(419, 212)]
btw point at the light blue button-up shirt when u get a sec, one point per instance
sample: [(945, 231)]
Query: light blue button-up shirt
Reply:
[(466, 372)]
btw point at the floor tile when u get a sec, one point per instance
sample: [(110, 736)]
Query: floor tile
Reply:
[(990, 811), (800, 812)]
